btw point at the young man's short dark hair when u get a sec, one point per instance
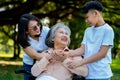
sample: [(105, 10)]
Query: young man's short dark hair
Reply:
[(95, 5)]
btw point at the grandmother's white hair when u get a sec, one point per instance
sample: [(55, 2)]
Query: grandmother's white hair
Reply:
[(52, 33)]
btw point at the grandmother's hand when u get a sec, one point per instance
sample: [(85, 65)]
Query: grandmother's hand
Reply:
[(50, 55)]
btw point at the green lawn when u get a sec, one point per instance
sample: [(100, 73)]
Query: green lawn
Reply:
[(116, 69), (7, 72), (7, 69)]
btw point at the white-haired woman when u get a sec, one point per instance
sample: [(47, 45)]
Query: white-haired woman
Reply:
[(53, 66)]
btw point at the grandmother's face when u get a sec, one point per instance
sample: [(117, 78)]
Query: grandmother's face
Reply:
[(61, 38)]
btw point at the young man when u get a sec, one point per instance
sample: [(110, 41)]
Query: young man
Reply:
[(96, 45)]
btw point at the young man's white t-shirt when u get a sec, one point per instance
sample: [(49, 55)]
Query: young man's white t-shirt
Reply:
[(94, 38), (36, 45)]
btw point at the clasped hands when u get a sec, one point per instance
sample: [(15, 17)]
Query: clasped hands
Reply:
[(56, 55), (61, 55)]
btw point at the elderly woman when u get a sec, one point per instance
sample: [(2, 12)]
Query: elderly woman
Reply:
[(53, 66)]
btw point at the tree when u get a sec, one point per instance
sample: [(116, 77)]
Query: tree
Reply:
[(56, 10)]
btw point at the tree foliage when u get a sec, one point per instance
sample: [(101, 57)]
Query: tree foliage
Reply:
[(55, 10)]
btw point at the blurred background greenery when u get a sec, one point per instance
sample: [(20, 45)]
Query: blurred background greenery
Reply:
[(50, 12)]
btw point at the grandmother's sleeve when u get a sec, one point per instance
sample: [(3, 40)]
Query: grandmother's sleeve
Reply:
[(39, 67)]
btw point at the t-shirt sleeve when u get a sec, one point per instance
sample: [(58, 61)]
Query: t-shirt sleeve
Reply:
[(108, 37), (45, 31)]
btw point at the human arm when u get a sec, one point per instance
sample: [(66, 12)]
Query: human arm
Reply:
[(76, 52), (32, 53), (39, 66), (101, 54)]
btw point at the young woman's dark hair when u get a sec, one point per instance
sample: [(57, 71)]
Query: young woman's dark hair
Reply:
[(23, 27)]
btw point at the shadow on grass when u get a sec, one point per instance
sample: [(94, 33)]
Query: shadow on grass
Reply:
[(7, 72), (116, 74), (6, 76), (7, 68)]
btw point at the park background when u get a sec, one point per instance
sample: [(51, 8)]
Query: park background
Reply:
[(50, 12)]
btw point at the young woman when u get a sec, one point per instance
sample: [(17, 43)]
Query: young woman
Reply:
[(31, 36)]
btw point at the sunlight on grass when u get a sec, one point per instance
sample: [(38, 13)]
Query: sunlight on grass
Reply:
[(116, 63), (3, 54), (11, 63), (9, 55), (5, 59), (116, 69)]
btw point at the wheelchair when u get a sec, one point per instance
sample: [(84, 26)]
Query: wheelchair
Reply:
[(75, 77), (25, 72), (22, 71)]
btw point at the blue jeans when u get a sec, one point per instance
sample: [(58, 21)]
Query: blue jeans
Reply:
[(27, 68), (99, 79)]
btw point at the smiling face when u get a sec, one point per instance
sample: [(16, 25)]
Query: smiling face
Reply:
[(61, 38), (33, 28), (91, 17)]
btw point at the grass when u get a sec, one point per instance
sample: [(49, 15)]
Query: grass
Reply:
[(8, 66), (116, 69), (7, 72)]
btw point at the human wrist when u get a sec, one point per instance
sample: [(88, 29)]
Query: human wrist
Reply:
[(71, 54), (48, 55), (82, 62)]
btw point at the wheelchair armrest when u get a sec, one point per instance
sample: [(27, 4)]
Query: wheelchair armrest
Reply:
[(22, 71)]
